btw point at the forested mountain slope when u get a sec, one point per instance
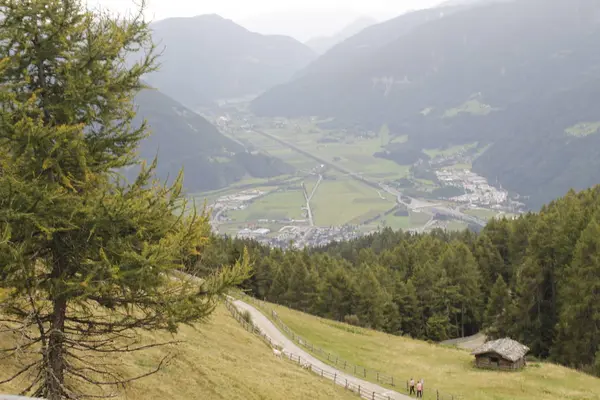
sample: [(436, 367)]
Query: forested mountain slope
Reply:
[(182, 138), (206, 58), (535, 279), (493, 73)]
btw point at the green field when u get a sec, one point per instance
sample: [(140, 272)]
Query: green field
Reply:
[(468, 166), (443, 368), (396, 223), (473, 107), (245, 184), (348, 151), (583, 129), (310, 182), (446, 152), (218, 360), (482, 213), (457, 226), (346, 200), (275, 205)]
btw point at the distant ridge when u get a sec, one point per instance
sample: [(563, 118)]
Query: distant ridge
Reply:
[(323, 43), (207, 58)]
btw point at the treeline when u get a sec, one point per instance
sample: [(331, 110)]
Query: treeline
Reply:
[(535, 279)]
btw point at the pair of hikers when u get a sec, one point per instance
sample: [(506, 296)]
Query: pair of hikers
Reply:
[(419, 387)]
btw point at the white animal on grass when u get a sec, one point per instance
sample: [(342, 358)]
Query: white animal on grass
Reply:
[(277, 353)]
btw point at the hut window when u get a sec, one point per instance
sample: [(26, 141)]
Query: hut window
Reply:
[(495, 360)]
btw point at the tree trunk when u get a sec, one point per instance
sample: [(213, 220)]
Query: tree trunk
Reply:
[(56, 358), (462, 320)]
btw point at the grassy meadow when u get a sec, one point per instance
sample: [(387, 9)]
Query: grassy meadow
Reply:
[(446, 369), (218, 360), (473, 107), (583, 129), (276, 205), (346, 200)]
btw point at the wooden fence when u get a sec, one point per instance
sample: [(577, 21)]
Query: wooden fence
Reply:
[(361, 391), (340, 363)]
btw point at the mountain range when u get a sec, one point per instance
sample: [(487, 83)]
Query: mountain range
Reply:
[(183, 139), (521, 78), (321, 44), (207, 58)]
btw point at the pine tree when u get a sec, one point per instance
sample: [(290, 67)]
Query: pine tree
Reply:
[(497, 305), (490, 263), (337, 294), (371, 299), (578, 339), (87, 259), (464, 286), (407, 302)]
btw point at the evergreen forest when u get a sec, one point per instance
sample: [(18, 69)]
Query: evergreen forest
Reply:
[(535, 279)]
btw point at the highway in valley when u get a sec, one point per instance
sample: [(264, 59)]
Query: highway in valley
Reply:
[(412, 203)]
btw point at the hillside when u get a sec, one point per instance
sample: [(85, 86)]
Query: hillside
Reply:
[(182, 138), (206, 58), (534, 279), (321, 44), (443, 368), (218, 360), (494, 73)]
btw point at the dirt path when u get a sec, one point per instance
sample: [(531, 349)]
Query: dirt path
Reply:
[(469, 343), (267, 327)]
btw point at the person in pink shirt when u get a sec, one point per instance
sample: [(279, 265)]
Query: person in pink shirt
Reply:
[(420, 389)]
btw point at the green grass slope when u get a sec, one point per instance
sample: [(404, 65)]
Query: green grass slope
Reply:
[(218, 360), (446, 369)]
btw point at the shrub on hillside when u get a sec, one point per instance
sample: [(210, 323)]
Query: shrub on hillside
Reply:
[(246, 316), (352, 320)]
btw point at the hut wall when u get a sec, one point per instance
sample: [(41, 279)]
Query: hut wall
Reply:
[(495, 361)]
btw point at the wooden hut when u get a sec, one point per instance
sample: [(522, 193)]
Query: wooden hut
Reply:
[(504, 354)]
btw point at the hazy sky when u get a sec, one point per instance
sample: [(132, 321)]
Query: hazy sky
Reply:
[(291, 17)]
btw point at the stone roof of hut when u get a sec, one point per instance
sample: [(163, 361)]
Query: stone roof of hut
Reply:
[(507, 348)]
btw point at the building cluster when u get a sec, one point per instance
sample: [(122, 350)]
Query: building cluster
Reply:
[(301, 236), (238, 201), (477, 189)]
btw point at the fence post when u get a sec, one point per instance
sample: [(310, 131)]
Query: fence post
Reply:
[(346, 383), (373, 395), (437, 392), (365, 372), (355, 370), (377, 377), (392, 381), (359, 390), (344, 365)]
